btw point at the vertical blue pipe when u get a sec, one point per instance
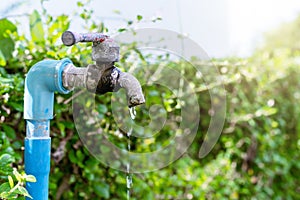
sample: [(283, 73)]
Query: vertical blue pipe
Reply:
[(42, 80), (37, 157)]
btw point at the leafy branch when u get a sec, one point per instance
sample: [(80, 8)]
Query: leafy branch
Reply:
[(13, 187)]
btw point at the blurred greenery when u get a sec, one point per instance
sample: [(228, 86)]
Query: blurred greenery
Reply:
[(8, 189), (256, 157)]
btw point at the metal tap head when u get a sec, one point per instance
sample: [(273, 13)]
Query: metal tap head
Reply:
[(70, 38), (105, 49)]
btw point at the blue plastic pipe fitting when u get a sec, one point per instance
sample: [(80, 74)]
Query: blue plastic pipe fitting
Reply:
[(42, 80)]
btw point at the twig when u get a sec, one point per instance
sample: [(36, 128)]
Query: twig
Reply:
[(73, 97)]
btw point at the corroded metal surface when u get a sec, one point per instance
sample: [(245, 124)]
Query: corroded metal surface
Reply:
[(70, 38), (106, 51), (74, 77), (133, 89)]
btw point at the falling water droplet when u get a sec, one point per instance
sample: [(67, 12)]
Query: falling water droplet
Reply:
[(128, 135), (132, 112), (129, 185), (129, 181), (129, 147), (128, 194), (128, 168), (129, 132)]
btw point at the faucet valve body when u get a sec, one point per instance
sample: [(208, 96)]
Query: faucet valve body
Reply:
[(91, 78), (106, 82)]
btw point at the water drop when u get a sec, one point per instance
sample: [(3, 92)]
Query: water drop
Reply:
[(129, 132), (128, 168), (132, 112), (129, 181), (128, 147), (128, 194)]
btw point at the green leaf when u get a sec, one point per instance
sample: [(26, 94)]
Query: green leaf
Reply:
[(10, 181), (158, 18), (79, 4), (2, 59), (24, 192), (36, 27), (72, 157), (79, 155), (17, 175), (5, 159), (61, 127), (5, 25), (117, 12), (102, 190), (6, 80), (121, 30), (102, 108), (20, 198), (7, 45), (59, 25), (139, 17), (9, 131), (30, 178), (4, 187)]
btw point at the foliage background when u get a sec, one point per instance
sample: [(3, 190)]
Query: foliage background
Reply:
[(256, 157)]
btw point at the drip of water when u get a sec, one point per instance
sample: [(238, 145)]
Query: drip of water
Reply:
[(128, 144), (128, 168), (128, 194), (129, 132), (132, 113), (129, 181), (128, 176), (128, 184)]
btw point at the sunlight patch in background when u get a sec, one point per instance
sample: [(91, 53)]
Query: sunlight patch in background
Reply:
[(223, 28), (250, 19)]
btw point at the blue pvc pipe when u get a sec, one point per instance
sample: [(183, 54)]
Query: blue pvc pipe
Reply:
[(37, 163), (42, 80)]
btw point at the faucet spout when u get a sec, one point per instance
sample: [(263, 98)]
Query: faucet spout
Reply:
[(133, 89), (111, 79)]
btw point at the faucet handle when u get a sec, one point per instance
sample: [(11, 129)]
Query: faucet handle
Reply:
[(70, 38), (105, 49)]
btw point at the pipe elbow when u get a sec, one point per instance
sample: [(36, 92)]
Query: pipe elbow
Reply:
[(42, 80)]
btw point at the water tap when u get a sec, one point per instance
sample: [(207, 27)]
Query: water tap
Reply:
[(102, 76)]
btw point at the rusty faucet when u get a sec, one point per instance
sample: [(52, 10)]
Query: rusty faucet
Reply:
[(102, 76)]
